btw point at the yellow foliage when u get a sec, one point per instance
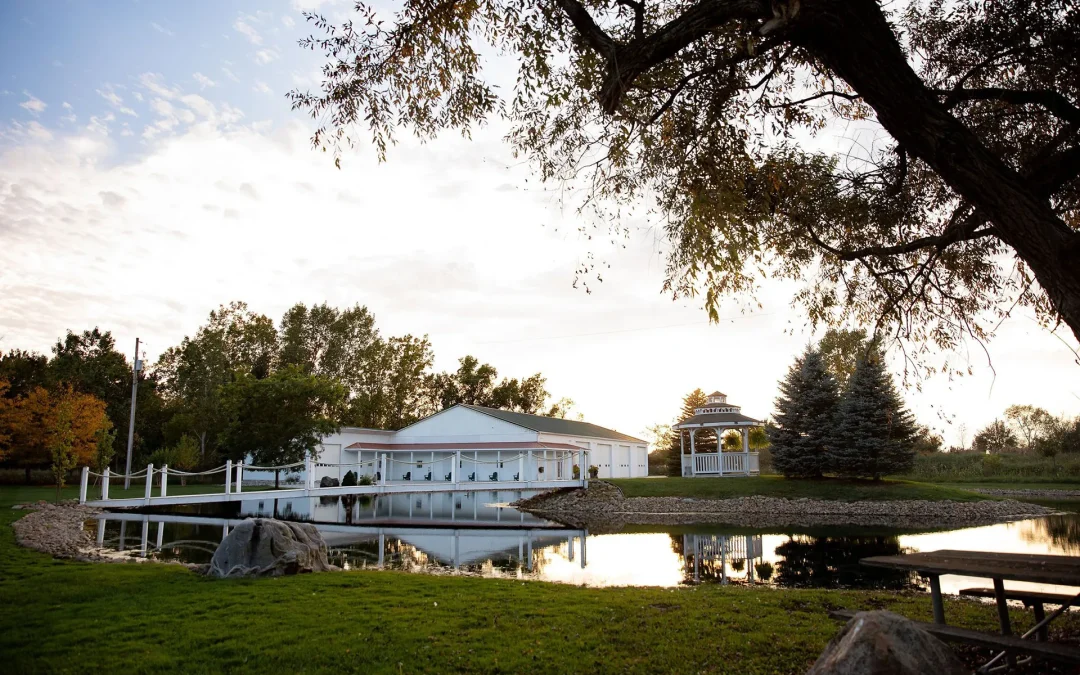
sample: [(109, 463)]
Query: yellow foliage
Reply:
[(28, 422)]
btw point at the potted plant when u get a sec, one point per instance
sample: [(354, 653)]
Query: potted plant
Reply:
[(594, 471), (577, 472)]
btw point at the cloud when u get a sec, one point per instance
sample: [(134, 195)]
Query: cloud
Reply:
[(265, 56), (33, 104), (248, 31), (288, 21), (155, 83), (203, 81), (108, 92), (38, 132), (229, 74), (262, 87), (70, 116), (159, 28)]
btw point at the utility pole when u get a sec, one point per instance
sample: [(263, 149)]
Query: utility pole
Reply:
[(136, 367)]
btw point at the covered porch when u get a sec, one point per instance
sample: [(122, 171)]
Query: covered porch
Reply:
[(721, 417)]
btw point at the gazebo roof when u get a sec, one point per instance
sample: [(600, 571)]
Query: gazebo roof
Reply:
[(728, 419)]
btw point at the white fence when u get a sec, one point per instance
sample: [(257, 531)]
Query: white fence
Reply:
[(721, 464)]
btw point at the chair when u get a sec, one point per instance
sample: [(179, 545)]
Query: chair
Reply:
[(472, 476), (407, 476), (428, 476), (449, 476), (517, 476), (494, 476), (378, 476)]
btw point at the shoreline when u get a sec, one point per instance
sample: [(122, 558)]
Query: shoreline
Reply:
[(603, 507)]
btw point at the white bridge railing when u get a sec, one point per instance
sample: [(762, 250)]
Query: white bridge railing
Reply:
[(529, 474), (721, 464)]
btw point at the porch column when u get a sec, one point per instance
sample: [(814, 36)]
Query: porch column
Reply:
[(693, 454), (746, 450)]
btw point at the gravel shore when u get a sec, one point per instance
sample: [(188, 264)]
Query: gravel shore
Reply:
[(1029, 492), (603, 507), (56, 529)]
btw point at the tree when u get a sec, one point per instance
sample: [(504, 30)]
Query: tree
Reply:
[(1030, 422), (926, 442), (30, 423), (104, 447), (282, 418), (701, 108), (994, 438), (23, 371), (474, 383), (184, 455), (874, 434), (842, 348), (62, 444), (805, 414)]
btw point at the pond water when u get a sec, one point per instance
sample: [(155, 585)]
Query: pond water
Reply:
[(479, 533)]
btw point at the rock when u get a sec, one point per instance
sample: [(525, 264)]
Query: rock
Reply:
[(261, 547), (56, 529), (884, 643), (327, 481)]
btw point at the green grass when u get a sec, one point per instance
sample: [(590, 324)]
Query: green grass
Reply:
[(971, 467), (776, 486), (1012, 485), (64, 616)]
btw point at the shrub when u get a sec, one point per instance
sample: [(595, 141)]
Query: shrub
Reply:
[(349, 479), (577, 472), (365, 480), (594, 471), (764, 570)]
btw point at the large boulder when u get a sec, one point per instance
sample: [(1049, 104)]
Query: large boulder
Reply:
[(327, 481), (884, 643), (263, 547)]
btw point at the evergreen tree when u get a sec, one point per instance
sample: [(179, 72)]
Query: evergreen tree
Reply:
[(874, 434), (704, 439), (805, 414)]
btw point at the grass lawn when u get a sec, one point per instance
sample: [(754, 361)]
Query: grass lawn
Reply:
[(776, 486), (1013, 484), (81, 617)]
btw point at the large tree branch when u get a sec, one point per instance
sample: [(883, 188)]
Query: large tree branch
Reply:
[(586, 27), (1053, 101), (639, 15), (951, 235)]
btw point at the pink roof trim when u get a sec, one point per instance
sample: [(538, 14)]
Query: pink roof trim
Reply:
[(527, 445)]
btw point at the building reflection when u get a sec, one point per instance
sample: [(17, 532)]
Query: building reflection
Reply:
[(718, 557), (1062, 531)]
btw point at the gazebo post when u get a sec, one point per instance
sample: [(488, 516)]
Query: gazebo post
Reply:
[(746, 450), (693, 454), (682, 449)]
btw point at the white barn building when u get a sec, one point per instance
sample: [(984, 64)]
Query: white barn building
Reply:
[(487, 445)]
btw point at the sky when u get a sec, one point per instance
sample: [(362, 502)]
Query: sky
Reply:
[(151, 169)]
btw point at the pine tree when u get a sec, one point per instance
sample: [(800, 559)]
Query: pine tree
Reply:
[(874, 434), (805, 415), (704, 439)]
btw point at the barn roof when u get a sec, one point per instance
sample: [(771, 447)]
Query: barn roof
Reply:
[(553, 425)]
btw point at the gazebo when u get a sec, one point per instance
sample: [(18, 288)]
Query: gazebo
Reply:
[(722, 416)]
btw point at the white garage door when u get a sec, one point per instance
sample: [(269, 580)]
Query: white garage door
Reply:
[(603, 459), (620, 464)]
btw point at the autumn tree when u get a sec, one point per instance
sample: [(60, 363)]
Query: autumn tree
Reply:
[(703, 114), (23, 371), (61, 442), (31, 421)]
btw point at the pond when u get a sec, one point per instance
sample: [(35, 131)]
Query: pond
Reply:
[(479, 533)]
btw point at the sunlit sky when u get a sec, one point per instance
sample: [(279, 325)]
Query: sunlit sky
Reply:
[(151, 169)]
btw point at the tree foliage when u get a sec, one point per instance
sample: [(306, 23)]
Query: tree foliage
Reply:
[(874, 435), (703, 115), (1030, 423), (30, 425), (801, 433), (994, 438)]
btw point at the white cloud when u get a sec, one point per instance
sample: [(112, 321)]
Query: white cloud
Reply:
[(70, 116), (229, 74), (248, 31), (128, 111), (33, 104), (288, 21), (138, 97), (155, 83), (262, 87), (265, 56), (159, 28), (38, 132), (109, 95), (203, 81), (100, 125)]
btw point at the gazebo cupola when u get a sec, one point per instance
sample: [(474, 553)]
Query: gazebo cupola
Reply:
[(721, 416)]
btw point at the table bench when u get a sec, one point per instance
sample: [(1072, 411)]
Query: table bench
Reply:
[(1033, 599)]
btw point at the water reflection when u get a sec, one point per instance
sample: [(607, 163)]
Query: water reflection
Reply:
[(479, 533)]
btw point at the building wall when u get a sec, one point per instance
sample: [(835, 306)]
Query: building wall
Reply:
[(462, 425), (614, 459)]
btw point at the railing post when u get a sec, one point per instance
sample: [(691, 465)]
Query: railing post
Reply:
[(105, 484), (228, 476), (149, 482), (308, 482), (84, 480), (240, 477), (529, 462), (164, 480), (456, 468), (385, 466), (521, 467), (585, 484)]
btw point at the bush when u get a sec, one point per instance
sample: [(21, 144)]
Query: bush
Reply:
[(577, 472), (365, 480), (764, 570), (594, 471), (349, 479)]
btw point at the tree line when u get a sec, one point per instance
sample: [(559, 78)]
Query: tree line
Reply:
[(239, 386), (1028, 429)]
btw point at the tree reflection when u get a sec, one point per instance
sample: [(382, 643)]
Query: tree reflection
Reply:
[(1063, 531), (833, 562)]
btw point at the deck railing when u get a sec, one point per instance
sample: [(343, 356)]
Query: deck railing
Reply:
[(721, 464)]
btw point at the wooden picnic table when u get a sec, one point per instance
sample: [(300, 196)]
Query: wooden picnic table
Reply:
[(1000, 567)]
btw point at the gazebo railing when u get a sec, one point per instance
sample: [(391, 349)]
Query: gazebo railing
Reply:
[(721, 464)]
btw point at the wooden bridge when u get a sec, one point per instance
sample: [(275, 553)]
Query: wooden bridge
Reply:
[(375, 473)]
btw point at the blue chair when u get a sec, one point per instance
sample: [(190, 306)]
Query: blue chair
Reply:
[(472, 476), (407, 476), (517, 476), (428, 476), (449, 476), (494, 476)]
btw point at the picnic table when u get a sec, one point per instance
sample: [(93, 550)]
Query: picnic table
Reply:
[(1000, 567)]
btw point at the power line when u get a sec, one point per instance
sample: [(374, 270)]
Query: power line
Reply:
[(623, 330)]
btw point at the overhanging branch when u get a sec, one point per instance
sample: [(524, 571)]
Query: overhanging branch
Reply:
[(1049, 99)]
